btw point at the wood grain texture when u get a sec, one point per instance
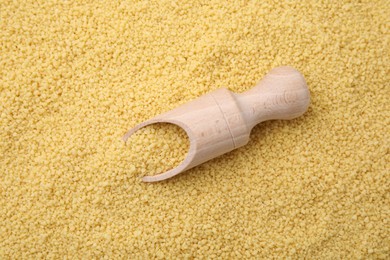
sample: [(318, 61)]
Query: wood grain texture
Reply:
[(221, 121)]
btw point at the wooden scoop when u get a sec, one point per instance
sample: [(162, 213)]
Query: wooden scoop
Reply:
[(221, 121)]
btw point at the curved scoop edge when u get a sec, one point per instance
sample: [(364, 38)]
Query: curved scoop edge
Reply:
[(184, 165)]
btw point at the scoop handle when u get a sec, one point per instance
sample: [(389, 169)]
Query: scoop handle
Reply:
[(281, 94)]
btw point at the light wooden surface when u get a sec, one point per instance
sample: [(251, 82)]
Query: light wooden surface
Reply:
[(221, 121)]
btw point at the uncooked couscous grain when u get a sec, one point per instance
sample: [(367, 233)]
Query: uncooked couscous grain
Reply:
[(76, 75), (158, 148)]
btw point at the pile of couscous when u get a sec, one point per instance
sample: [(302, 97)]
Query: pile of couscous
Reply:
[(76, 75)]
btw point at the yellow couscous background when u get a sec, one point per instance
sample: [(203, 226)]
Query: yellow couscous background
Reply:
[(76, 75)]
